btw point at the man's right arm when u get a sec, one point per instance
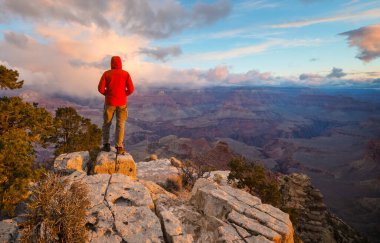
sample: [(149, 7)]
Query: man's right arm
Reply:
[(102, 85)]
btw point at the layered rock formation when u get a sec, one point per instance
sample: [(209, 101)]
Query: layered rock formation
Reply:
[(126, 209), (312, 221)]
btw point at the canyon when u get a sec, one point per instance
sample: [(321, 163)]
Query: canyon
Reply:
[(330, 134)]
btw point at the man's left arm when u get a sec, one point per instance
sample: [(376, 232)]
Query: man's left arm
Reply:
[(129, 86)]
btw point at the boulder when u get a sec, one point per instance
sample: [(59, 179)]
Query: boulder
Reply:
[(158, 171), (237, 207), (8, 230), (157, 192), (121, 209), (109, 163), (70, 162)]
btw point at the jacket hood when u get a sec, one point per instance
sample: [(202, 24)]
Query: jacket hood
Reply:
[(116, 62)]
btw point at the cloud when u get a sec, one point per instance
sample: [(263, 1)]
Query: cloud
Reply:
[(85, 12), (235, 52), (251, 49), (18, 39), (102, 64), (164, 18), (69, 61), (367, 40), (205, 13), (162, 53), (153, 19), (336, 73), (310, 76), (316, 79), (369, 14), (249, 5)]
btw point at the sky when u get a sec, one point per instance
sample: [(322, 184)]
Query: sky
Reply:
[(65, 46)]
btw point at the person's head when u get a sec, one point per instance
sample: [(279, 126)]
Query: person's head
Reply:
[(116, 62)]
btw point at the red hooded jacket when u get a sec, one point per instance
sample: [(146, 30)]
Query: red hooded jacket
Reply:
[(116, 84)]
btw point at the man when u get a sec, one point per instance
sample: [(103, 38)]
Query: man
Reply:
[(115, 84)]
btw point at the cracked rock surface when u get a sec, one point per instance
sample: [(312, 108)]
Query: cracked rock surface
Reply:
[(125, 209), (157, 171), (121, 210)]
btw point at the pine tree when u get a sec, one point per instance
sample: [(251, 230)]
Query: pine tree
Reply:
[(9, 79), (74, 132), (22, 125)]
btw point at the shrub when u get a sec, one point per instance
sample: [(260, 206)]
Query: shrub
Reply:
[(256, 179), (56, 212), (174, 184), (153, 157), (191, 172), (218, 178)]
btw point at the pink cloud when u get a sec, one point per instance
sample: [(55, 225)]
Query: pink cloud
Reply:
[(367, 40)]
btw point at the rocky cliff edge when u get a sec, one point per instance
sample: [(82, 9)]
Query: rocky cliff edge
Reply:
[(132, 207)]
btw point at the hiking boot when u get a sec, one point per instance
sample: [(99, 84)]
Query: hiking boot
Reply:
[(106, 147), (120, 151)]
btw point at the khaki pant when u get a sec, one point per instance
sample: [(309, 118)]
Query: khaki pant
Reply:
[(121, 117)]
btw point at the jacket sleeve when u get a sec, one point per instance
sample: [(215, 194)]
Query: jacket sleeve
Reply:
[(102, 85), (129, 86)]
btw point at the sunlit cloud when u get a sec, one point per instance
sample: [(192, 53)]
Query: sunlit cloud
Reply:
[(367, 40)]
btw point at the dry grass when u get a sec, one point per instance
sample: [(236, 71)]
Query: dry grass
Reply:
[(218, 179), (174, 184), (56, 212)]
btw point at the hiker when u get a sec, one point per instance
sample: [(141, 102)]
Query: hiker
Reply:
[(115, 84)]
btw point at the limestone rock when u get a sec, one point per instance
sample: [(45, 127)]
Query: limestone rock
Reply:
[(137, 224), (126, 209), (120, 209), (70, 162), (8, 230), (158, 171), (106, 164), (241, 208), (172, 225), (123, 190), (157, 192)]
